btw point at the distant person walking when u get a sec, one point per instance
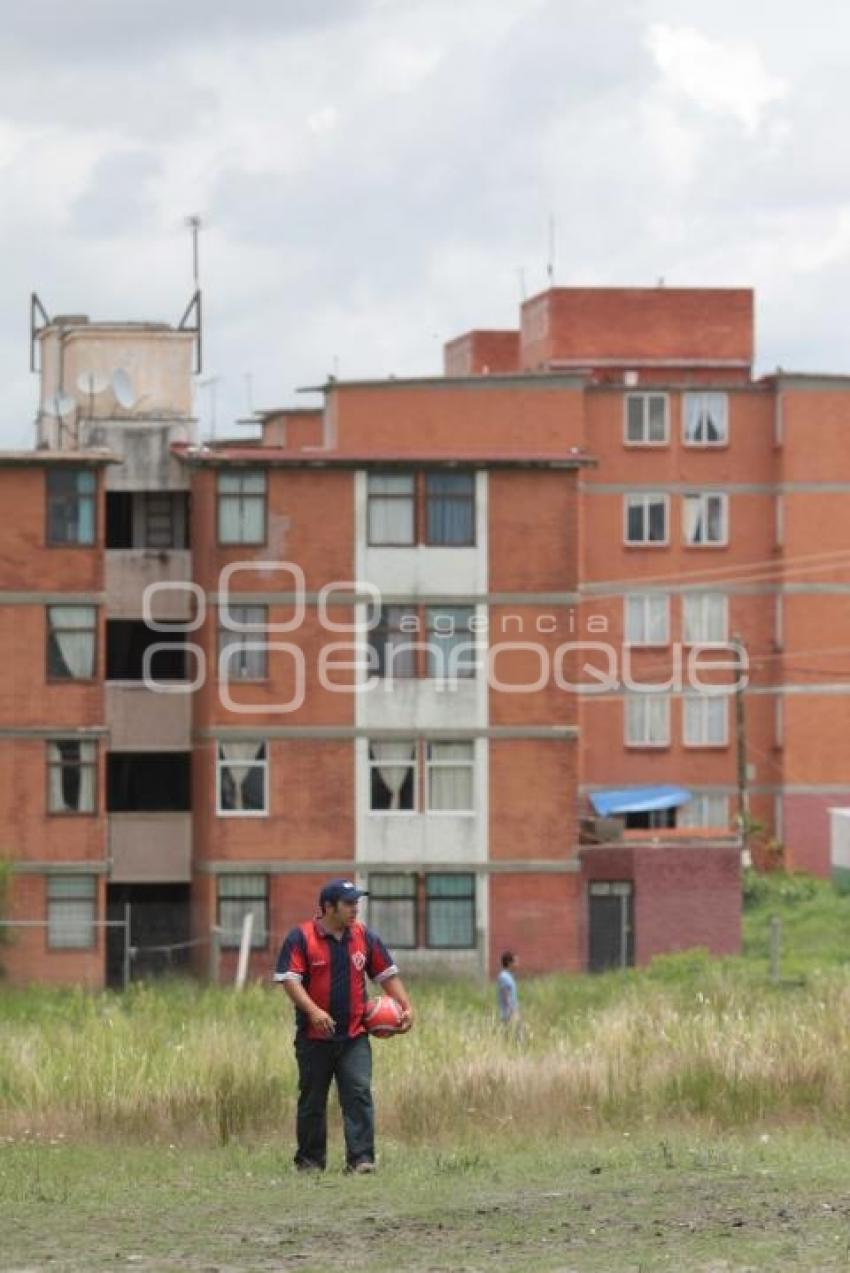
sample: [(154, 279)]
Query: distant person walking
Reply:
[(508, 995)]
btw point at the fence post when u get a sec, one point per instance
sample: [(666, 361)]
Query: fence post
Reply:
[(775, 946), (244, 951), (215, 953), (126, 970)]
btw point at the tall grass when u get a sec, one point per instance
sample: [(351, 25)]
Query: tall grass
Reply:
[(689, 1039)]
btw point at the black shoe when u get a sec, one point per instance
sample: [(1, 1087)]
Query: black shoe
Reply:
[(307, 1164)]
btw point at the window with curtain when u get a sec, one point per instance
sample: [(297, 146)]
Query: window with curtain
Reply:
[(451, 777), (706, 419), (646, 620), (243, 660), (646, 519), (71, 911), (646, 419), (392, 908), (647, 720), (705, 618), (242, 507), (392, 767), (705, 518), (71, 506), (242, 784), (395, 638), (71, 775), (391, 514), (71, 642), (238, 896), (452, 647), (450, 911), (705, 811), (450, 508), (706, 720)]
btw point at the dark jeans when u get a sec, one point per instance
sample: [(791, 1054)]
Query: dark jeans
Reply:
[(350, 1063)]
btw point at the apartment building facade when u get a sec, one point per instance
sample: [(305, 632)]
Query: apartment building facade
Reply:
[(422, 632)]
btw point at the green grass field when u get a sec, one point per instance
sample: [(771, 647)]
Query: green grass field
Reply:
[(689, 1116)]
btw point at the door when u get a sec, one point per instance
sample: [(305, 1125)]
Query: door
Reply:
[(611, 911), (159, 931)]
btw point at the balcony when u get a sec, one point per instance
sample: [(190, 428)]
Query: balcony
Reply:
[(128, 571), (148, 848), (140, 719)]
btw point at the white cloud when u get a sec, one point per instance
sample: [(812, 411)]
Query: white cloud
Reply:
[(721, 77)]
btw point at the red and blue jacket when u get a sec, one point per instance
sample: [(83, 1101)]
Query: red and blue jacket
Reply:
[(333, 971)]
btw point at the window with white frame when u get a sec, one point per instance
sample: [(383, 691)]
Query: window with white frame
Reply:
[(705, 720), (242, 507), (242, 778), (71, 775), (647, 618), (391, 509), (646, 519), (705, 811), (705, 419), (705, 518), (705, 618), (647, 720), (239, 896), (646, 419), (71, 911), (450, 911), (392, 776), (243, 650), (71, 642), (393, 908), (451, 776)]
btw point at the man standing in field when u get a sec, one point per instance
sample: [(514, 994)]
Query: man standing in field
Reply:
[(323, 965), (508, 995)]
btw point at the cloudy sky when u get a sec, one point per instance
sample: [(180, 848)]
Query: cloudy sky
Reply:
[(376, 176)]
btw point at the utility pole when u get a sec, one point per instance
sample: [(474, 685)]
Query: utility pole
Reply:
[(741, 744)]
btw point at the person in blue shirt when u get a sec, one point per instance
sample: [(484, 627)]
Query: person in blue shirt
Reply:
[(506, 988)]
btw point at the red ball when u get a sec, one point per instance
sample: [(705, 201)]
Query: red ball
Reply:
[(382, 1017)]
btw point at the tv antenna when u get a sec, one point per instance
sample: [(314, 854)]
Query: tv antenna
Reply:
[(191, 320), (211, 383)]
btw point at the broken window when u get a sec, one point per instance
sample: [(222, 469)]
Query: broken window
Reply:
[(242, 778), (71, 775), (127, 640)]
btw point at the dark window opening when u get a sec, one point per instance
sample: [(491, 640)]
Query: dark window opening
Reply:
[(126, 643), (148, 782), (159, 931), (650, 820), (147, 519)]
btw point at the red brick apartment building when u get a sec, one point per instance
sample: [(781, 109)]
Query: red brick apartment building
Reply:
[(407, 636)]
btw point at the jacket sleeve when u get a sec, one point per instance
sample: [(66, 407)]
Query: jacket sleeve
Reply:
[(380, 964), (292, 960)]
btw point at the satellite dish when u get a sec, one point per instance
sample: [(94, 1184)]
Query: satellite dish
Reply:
[(60, 405), (122, 387), (91, 382)]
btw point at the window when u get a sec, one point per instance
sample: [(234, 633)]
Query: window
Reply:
[(705, 811), (394, 640), (646, 519), (242, 779), (71, 775), (451, 642), (392, 767), (71, 911), (71, 506), (71, 642), (450, 502), (127, 643), (451, 774), (705, 518), (434, 641), (148, 782), (242, 507), (435, 508), (238, 896), (450, 911), (705, 417), (705, 618), (393, 907), (646, 619), (706, 720), (244, 653), (392, 508), (646, 419), (147, 519), (647, 720)]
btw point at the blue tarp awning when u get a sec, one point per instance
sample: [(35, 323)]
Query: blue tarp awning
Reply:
[(637, 799)]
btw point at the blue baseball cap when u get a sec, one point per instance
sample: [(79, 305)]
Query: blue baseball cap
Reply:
[(340, 891)]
